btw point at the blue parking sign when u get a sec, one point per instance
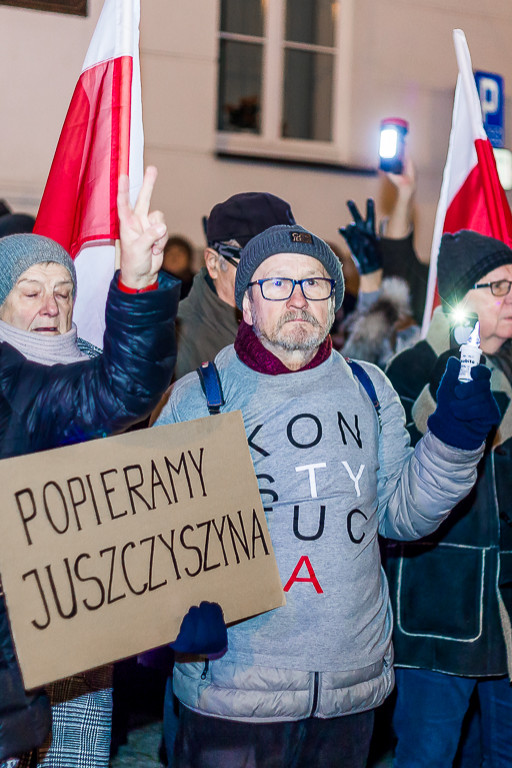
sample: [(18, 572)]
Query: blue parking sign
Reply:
[(492, 97)]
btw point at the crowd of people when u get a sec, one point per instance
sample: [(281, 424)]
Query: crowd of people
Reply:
[(389, 509)]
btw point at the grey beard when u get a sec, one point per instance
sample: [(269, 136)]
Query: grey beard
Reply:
[(305, 344)]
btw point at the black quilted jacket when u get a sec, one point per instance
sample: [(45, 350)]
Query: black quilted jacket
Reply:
[(44, 407)]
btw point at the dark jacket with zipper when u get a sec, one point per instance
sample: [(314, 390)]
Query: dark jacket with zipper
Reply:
[(452, 591), (205, 324), (44, 407)]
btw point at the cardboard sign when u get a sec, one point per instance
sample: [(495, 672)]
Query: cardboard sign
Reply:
[(105, 545)]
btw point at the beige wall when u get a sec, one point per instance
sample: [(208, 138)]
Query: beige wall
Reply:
[(41, 55), (403, 64)]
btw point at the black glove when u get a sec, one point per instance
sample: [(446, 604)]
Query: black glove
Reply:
[(361, 238), (202, 631), (466, 411)]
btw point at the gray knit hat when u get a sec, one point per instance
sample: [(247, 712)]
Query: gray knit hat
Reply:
[(284, 238), (464, 258), (19, 252)]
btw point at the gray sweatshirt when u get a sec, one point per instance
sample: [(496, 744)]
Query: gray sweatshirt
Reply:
[(330, 481)]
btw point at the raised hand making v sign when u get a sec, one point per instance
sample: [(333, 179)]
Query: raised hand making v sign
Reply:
[(142, 234)]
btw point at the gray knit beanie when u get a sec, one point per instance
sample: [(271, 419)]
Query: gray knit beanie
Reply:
[(19, 252), (284, 238), (464, 258)]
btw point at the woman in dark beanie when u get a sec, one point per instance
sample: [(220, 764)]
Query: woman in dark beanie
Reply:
[(452, 591)]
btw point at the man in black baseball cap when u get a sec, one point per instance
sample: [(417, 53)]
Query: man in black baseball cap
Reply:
[(243, 216), (208, 318)]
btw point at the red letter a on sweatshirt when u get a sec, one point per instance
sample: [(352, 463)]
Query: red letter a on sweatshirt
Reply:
[(304, 560)]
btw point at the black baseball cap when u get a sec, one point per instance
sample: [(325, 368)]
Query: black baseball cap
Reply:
[(245, 215)]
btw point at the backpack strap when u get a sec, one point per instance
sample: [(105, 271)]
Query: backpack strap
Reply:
[(364, 379), (212, 388)]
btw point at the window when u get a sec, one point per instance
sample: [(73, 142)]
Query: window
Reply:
[(283, 78)]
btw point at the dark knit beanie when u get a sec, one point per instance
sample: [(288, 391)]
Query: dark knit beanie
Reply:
[(245, 215), (464, 258), (19, 252), (286, 239)]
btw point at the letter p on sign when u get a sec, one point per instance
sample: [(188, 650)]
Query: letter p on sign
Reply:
[(492, 96), (489, 96)]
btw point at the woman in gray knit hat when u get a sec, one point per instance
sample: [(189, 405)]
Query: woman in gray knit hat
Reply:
[(42, 407), (37, 292)]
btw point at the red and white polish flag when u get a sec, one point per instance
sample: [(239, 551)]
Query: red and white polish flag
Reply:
[(102, 137), (471, 193)]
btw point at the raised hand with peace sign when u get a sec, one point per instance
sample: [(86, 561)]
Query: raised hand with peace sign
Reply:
[(142, 233)]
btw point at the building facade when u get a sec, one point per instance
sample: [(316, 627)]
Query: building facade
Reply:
[(284, 96)]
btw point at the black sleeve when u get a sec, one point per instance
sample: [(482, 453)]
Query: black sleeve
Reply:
[(399, 260), (409, 372)]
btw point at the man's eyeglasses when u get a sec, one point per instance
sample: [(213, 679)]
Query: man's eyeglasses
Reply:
[(230, 252), (498, 287), (281, 288)]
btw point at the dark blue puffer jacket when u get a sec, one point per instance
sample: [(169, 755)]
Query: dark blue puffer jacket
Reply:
[(44, 407)]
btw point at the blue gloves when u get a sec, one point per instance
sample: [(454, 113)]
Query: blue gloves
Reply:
[(202, 631), (361, 238), (465, 412)]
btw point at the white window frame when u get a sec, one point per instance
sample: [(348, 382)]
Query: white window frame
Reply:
[(269, 143)]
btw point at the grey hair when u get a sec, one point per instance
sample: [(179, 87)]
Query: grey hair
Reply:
[(223, 264)]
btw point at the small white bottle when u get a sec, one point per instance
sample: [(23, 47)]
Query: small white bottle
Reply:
[(470, 354)]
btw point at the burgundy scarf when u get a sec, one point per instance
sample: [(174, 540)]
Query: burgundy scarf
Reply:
[(251, 351)]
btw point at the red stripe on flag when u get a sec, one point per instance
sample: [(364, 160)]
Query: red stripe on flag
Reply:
[(481, 204), (468, 208), (498, 209), (79, 201), (124, 72)]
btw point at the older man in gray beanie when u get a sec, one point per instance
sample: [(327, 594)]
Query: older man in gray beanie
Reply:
[(43, 407), (298, 686)]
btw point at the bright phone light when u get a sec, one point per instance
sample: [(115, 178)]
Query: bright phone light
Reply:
[(388, 143), (459, 315)]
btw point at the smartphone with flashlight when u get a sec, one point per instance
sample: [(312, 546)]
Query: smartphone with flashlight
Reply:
[(461, 325), (393, 131)]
